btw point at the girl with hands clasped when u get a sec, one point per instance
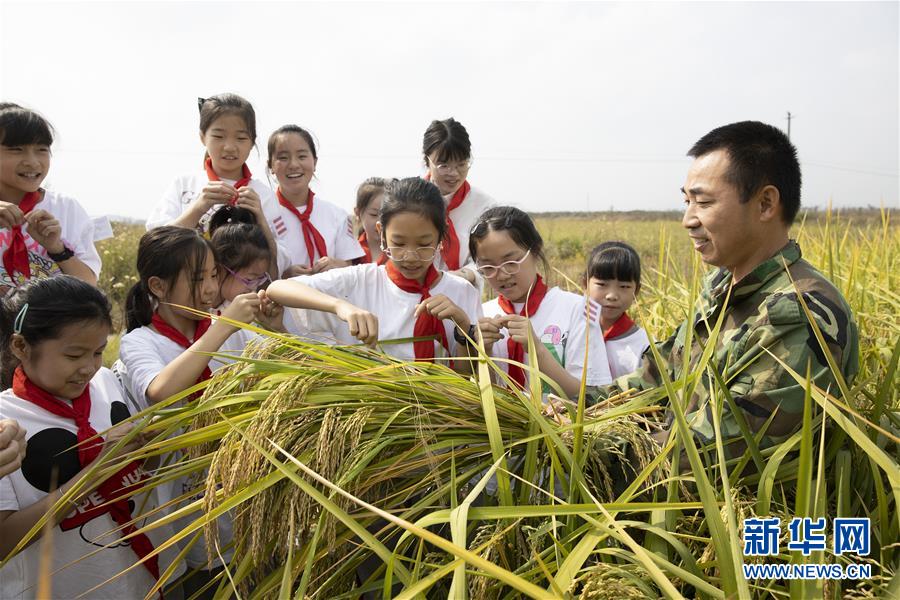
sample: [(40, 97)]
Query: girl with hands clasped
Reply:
[(316, 234), (406, 297), (53, 332), (42, 233), (228, 132), (507, 249)]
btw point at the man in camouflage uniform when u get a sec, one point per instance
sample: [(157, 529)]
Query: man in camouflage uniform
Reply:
[(741, 196)]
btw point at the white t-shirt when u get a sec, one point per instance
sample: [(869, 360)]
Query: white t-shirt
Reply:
[(560, 324), (145, 353), (625, 352), (52, 436), (464, 218), (332, 222), (77, 234), (186, 188), (368, 286)]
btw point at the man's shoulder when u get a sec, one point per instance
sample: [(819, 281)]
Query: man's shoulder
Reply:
[(824, 300)]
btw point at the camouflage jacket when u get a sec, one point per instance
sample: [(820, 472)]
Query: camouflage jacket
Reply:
[(763, 312)]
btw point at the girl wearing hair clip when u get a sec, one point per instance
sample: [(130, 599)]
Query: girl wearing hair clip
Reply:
[(42, 233), (508, 249), (53, 333), (228, 132)]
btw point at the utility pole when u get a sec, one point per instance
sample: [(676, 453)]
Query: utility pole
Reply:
[(789, 117)]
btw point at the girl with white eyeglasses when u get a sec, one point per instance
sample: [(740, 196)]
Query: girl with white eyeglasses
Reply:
[(508, 249)]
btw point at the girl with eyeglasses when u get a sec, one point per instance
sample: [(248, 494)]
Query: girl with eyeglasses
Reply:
[(243, 255), (448, 156), (508, 250), (404, 298)]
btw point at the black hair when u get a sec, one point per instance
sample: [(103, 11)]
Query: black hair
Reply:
[(53, 303), (367, 191), (448, 139), (228, 214), (163, 252), (516, 223), (284, 129), (414, 194), (239, 242), (615, 260), (759, 155), (226, 104), (21, 126)]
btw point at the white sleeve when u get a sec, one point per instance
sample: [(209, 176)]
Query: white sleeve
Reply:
[(143, 363), (84, 248), (321, 326), (8, 500), (346, 246), (167, 209), (598, 365)]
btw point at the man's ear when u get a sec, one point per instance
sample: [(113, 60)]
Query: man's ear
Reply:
[(19, 347), (770, 208), (157, 287)]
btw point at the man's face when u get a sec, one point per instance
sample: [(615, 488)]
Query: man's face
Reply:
[(723, 229)]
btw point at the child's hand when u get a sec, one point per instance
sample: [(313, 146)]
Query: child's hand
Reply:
[(295, 270), (46, 230), (244, 308), (467, 274), (10, 215), (518, 327), (12, 446), (249, 199), (215, 192), (271, 314), (117, 433), (327, 262), (490, 330), (363, 325), (443, 307)]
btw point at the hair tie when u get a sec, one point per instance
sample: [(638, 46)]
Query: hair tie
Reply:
[(20, 319), (200, 103)]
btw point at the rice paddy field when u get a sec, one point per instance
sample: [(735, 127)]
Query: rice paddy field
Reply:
[(348, 473)]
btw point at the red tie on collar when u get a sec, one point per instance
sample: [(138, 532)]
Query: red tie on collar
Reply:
[(426, 324), (15, 258), (515, 350), (244, 181), (131, 475), (450, 246), (363, 240), (311, 236), (622, 325), (176, 336)]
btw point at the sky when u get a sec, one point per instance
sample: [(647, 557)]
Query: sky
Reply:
[(569, 106)]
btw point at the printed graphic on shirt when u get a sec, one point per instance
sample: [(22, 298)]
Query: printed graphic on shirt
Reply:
[(555, 341), (52, 459)]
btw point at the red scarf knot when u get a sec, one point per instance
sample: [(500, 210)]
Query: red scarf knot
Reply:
[(515, 350), (314, 241), (426, 324), (244, 181), (15, 257)]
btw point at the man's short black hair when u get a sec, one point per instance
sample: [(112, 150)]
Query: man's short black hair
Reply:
[(760, 155)]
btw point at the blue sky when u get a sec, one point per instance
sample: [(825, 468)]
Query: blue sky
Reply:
[(568, 105)]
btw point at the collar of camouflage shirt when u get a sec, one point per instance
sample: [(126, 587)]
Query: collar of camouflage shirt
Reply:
[(716, 289)]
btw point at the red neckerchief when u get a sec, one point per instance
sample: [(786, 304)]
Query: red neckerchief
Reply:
[(244, 181), (622, 324), (450, 246), (363, 240), (80, 413), (426, 324), (15, 258), (515, 350), (176, 336), (311, 236)]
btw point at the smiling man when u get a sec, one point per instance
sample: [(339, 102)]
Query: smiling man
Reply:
[(741, 195)]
